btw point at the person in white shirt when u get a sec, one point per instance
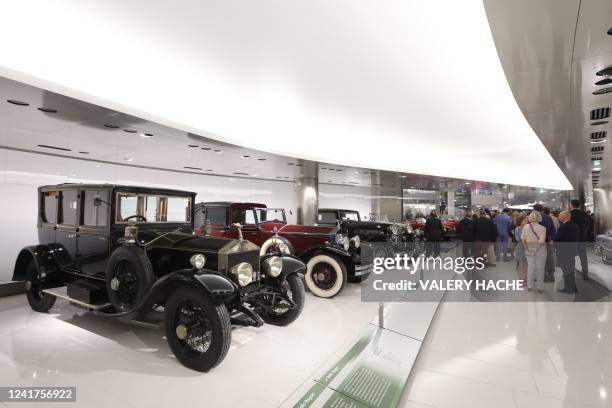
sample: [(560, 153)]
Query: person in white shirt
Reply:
[(533, 237)]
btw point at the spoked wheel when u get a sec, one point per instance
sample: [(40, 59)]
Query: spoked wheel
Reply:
[(198, 331), (293, 288), (129, 275), (38, 300), (325, 275)]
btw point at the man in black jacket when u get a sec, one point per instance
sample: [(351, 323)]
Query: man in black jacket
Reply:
[(465, 229), (485, 232), (566, 244), (581, 219), (433, 232)]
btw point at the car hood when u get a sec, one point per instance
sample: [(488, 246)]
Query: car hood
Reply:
[(297, 228)]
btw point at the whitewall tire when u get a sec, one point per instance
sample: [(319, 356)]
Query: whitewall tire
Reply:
[(267, 246), (325, 276)]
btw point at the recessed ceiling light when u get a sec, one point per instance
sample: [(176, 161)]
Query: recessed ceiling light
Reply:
[(605, 81), (192, 168), (17, 102), (205, 148), (111, 126), (338, 169), (278, 177), (285, 177), (218, 151), (209, 170), (130, 130), (245, 156), (262, 159), (609, 31), (329, 181), (402, 176), (290, 164), (192, 145), (146, 134), (356, 172), (231, 179), (84, 152), (599, 122), (298, 165), (47, 110), (129, 159), (602, 91), (598, 141), (241, 173), (55, 148), (607, 71)]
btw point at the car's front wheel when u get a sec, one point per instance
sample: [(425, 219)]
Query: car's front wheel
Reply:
[(197, 329), (38, 300), (283, 315), (325, 275)]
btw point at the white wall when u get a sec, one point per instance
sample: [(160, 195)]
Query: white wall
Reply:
[(22, 173)]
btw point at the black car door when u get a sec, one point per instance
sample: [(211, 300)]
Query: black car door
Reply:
[(94, 231), (66, 233)]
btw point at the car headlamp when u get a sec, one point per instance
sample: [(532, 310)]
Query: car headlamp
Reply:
[(273, 266), (244, 273), (198, 261), (343, 241), (356, 241)]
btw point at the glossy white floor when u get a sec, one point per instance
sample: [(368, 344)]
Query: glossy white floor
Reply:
[(515, 355), (117, 365)]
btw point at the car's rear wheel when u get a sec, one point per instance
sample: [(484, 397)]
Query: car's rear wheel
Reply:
[(38, 300), (129, 275), (293, 288), (198, 330), (325, 275)]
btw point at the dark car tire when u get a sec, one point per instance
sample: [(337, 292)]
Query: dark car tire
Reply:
[(298, 295), (131, 260), (330, 264), (219, 320), (39, 301)]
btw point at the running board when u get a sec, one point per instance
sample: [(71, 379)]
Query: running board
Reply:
[(75, 301)]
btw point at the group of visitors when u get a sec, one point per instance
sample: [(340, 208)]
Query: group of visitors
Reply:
[(538, 242)]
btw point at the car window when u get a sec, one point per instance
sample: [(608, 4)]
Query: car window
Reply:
[(216, 215), (327, 217), (271, 215), (153, 208), (68, 208), (49, 210), (352, 216), (242, 216), (95, 208)]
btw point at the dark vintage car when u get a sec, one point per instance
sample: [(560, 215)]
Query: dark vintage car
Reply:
[(386, 238), (123, 251), (331, 257)]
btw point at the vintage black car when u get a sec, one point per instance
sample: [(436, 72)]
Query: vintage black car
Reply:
[(386, 238), (124, 251)]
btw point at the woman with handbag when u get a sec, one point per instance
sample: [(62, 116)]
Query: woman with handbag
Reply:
[(519, 252), (533, 237)]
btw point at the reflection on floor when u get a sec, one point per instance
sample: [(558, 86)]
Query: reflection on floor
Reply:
[(118, 365), (517, 354)]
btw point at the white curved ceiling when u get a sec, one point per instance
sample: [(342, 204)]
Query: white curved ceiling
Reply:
[(413, 86)]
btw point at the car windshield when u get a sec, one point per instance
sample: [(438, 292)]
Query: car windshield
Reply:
[(152, 208), (271, 215), (349, 215)]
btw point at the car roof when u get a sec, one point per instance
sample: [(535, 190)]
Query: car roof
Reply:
[(232, 204), (115, 187)]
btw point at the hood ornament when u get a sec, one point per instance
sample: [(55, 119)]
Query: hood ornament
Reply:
[(239, 227)]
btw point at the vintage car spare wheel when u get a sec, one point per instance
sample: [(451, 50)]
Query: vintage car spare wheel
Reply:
[(38, 300), (198, 330), (325, 275), (129, 275), (270, 246)]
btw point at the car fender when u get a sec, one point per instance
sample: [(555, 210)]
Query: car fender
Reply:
[(269, 242), (345, 256), (47, 258), (218, 287)]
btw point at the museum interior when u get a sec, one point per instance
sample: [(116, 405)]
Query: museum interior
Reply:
[(196, 197)]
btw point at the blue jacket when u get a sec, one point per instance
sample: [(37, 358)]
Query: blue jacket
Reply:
[(547, 222), (503, 223)]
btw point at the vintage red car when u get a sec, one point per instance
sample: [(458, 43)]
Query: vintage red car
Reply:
[(449, 224), (330, 256)]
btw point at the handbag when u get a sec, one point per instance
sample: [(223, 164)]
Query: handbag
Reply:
[(559, 280)]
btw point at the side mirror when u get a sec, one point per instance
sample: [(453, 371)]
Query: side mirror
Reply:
[(97, 201)]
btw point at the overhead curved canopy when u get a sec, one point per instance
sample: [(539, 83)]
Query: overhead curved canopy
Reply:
[(409, 85)]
